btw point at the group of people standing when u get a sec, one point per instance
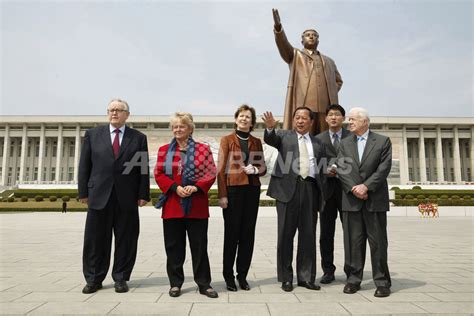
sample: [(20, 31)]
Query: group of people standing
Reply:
[(321, 168), (326, 174)]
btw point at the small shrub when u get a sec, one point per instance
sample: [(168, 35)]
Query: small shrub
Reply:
[(398, 196), (466, 197), (11, 199), (66, 198), (416, 187), (455, 197), (53, 198), (408, 197), (420, 197), (395, 189), (38, 198), (433, 197), (444, 197), (24, 198)]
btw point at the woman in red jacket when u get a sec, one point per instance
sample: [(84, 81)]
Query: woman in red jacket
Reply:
[(185, 171)]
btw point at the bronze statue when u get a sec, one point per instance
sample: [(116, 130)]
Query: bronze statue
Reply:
[(314, 80)]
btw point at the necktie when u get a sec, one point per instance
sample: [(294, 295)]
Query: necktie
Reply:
[(116, 143), (335, 143), (304, 157), (360, 146)]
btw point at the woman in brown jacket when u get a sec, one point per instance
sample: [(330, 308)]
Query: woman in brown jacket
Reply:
[(240, 164)]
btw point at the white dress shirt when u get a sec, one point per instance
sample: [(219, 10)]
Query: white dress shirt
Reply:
[(112, 133), (312, 159)]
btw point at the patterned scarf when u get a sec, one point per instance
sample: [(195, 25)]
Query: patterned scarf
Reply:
[(188, 174)]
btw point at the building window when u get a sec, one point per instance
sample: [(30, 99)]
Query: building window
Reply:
[(71, 150), (70, 174), (37, 150), (53, 173), (55, 149), (12, 145), (17, 173), (452, 173), (46, 150), (27, 176), (29, 149), (35, 175)]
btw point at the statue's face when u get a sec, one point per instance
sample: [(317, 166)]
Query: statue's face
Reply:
[(310, 39)]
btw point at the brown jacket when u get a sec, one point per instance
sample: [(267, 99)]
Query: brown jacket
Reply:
[(231, 160), (299, 79)]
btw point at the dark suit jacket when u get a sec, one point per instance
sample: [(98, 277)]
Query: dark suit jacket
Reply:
[(372, 171), (332, 182), (283, 181), (100, 172)]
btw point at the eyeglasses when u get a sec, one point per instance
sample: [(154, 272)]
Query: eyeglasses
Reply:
[(116, 110)]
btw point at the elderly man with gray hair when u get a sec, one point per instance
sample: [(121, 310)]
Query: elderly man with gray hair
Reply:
[(364, 162)]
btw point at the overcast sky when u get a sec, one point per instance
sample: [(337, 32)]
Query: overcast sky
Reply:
[(397, 58)]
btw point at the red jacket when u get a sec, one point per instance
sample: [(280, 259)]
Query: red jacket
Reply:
[(204, 164)]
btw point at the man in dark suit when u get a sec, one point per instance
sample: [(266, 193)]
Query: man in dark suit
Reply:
[(335, 115), (296, 184), (364, 162), (113, 181)]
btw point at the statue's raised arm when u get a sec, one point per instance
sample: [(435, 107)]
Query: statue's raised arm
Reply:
[(276, 20)]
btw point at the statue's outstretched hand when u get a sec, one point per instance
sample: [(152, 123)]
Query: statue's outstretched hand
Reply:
[(276, 20)]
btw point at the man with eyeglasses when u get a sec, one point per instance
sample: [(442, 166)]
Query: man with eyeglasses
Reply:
[(335, 115), (113, 181)]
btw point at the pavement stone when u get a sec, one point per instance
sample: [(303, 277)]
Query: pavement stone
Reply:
[(431, 263)]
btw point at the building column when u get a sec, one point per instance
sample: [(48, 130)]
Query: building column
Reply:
[(6, 155), (24, 146), (472, 154), (41, 154), (421, 149), (457, 157), (77, 153), (404, 177), (59, 151), (439, 155)]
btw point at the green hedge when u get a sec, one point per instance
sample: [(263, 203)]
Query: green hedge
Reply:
[(41, 209), (415, 202)]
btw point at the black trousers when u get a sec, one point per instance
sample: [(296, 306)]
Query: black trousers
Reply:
[(358, 228), (240, 218), (327, 229), (125, 225), (175, 230), (298, 214)]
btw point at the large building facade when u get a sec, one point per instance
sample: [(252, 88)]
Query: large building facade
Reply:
[(46, 149)]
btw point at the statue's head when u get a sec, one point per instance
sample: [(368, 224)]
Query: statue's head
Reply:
[(310, 39)]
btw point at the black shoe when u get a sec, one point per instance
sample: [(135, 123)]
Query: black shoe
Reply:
[(287, 286), (350, 288), (327, 278), (244, 285), (91, 288), (121, 287), (209, 292), (175, 291), (309, 285), (382, 291), (231, 286)]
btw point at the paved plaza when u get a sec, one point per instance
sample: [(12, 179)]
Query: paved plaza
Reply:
[(431, 263)]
